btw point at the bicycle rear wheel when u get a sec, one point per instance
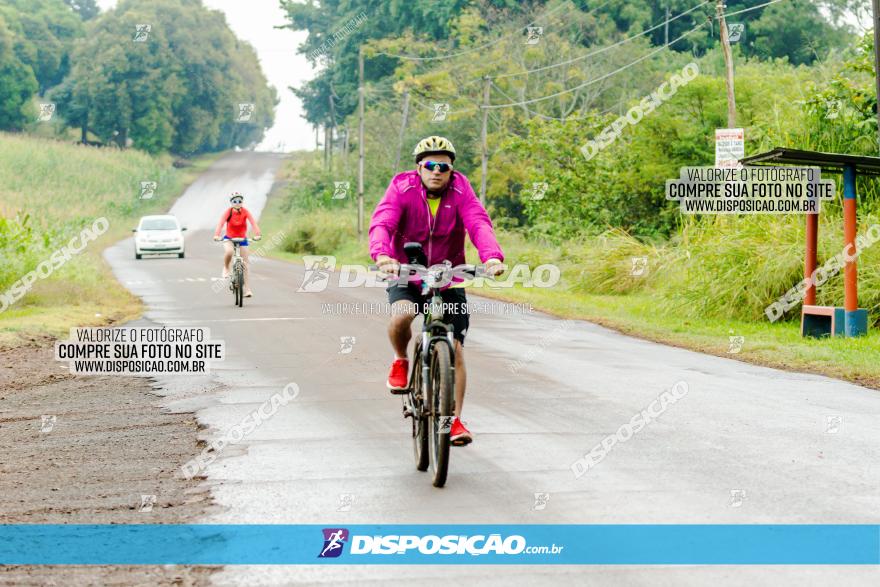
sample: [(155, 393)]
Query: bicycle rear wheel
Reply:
[(419, 422), (238, 286), (440, 402)]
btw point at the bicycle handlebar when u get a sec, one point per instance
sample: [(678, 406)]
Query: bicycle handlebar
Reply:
[(437, 272), (237, 239)]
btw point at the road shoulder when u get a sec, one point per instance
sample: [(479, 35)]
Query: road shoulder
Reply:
[(83, 449)]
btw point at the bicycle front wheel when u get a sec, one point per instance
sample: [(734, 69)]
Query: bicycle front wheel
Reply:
[(238, 286), (440, 402), (419, 419)]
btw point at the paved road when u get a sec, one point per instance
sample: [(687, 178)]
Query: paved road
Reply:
[(746, 444)]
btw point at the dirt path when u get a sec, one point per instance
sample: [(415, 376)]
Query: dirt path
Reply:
[(108, 445)]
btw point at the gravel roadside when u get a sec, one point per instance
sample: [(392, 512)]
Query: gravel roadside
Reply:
[(86, 450)]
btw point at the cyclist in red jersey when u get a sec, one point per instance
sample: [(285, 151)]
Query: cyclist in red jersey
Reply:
[(236, 219)]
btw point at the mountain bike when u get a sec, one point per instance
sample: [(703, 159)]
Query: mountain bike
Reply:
[(430, 398), (236, 275), (236, 281)]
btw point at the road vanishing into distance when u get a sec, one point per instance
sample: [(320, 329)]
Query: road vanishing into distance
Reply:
[(745, 444)]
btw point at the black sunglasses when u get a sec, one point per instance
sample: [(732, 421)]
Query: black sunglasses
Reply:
[(434, 165)]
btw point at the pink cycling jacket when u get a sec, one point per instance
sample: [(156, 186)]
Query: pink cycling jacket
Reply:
[(403, 216)]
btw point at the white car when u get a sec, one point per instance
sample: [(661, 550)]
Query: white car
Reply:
[(156, 235)]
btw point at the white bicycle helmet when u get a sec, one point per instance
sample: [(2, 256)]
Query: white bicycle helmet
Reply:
[(431, 145)]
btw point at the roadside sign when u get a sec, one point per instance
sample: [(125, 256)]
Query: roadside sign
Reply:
[(735, 31), (730, 146)]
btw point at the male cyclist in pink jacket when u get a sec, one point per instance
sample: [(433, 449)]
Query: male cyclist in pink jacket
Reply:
[(432, 205)]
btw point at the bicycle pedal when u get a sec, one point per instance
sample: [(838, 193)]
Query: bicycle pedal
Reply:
[(399, 391)]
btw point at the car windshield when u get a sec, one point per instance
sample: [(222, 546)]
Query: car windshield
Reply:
[(158, 224)]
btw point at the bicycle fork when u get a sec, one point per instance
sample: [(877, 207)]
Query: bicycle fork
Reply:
[(413, 409)]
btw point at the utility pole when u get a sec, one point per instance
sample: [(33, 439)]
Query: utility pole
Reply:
[(361, 143), (483, 135), (728, 64), (666, 27), (332, 128), (402, 130), (876, 16), (327, 147), (345, 147)]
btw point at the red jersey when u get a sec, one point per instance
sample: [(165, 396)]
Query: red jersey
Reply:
[(236, 223)]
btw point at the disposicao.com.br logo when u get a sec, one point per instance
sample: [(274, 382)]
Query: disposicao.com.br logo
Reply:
[(321, 271), (429, 544)]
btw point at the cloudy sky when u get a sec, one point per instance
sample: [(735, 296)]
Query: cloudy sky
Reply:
[(253, 21)]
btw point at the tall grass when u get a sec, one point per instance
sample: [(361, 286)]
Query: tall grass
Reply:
[(51, 190), (714, 267), (725, 267), (58, 182), (20, 248), (318, 232), (719, 267)]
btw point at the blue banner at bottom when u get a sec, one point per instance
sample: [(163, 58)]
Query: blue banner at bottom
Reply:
[(154, 544)]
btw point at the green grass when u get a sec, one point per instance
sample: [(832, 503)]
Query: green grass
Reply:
[(705, 285), (775, 345), (309, 232), (49, 191)]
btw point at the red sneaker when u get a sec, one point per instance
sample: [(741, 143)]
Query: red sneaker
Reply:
[(459, 435), (397, 377)]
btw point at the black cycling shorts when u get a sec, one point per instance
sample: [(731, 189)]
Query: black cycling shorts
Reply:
[(455, 310)]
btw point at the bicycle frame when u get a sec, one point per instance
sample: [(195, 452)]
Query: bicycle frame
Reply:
[(434, 331), (237, 269), (236, 255)]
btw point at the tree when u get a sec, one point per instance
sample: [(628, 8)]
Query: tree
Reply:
[(177, 86), (795, 30), (86, 9), (44, 32), (18, 84), (799, 30), (336, 31)]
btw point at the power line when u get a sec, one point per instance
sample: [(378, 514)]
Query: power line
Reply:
[(546, 16), (585, 84), (424, 106), (603, 49), (538, 114), (749, 9), (598, 79), (473, 49)]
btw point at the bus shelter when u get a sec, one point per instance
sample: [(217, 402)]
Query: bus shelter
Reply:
[(850, 320)]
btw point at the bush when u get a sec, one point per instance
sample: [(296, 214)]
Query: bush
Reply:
[(20, 248), (319, 232)]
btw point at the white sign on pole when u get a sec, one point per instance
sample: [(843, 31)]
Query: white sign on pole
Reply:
[(730, 147), (735, 31)]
